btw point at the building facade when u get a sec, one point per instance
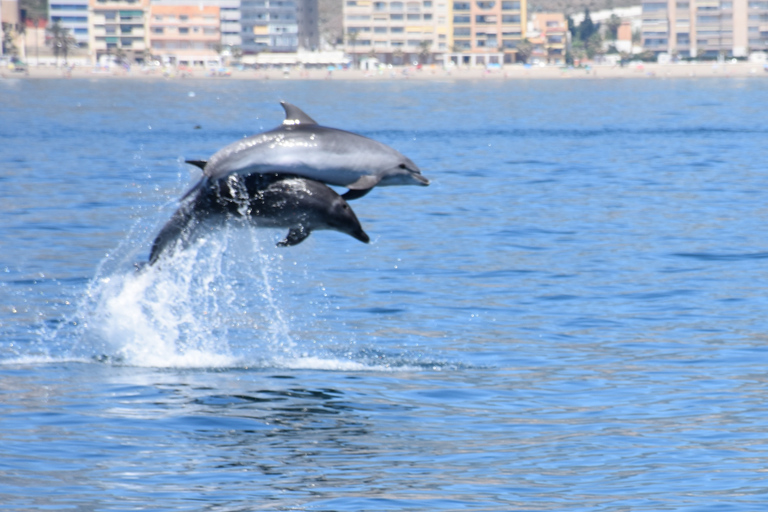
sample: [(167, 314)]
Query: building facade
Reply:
[(186, 35), (73, 16), (549, 37), (119, 27), (10, 21), (397, 32), (705, 28), (278, 25), (488, 27), (229, 16)]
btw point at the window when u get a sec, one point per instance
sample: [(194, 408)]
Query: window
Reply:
[(414, 17), (461, 6), (462, 31), (510, 18), (396, 6), (183, 30), (510, 6), (461, 19), (485, 4), (183, 17), (396, 17), (158, 30)]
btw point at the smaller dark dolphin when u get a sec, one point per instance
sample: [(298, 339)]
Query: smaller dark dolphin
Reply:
[(267, 200)]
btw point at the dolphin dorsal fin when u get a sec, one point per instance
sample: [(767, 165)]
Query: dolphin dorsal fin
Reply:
[(295, 116)]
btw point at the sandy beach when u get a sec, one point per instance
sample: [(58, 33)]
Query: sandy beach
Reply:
[(508, 72)]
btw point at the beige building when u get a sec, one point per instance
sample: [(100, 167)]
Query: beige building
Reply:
[(118, 27), (10, 20), (487, 31), (187, 35), (705, 28), (549, 37), (397, 32)]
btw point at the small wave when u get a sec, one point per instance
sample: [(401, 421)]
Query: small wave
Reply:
[(708, 256)]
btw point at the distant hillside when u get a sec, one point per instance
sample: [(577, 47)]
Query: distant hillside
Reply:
[(331, 17)]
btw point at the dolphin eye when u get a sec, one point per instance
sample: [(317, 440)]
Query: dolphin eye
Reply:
[(402, 166)]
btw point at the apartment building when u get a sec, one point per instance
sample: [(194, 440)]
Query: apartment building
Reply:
[(279, 25), (549, 36), (187, 35), (705, 28), (10, 15), (229, 17), (71, 15), (488, 31), (397, 32), (119, 26)]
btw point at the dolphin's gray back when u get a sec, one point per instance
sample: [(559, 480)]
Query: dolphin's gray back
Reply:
[(337, 157)]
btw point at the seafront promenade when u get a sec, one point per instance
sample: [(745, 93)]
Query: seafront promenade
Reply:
[(509, 72)]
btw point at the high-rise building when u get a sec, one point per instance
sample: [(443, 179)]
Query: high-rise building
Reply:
[(488, 31), (398, 32), (229, 15), (186, 35), (278, 25), (71, 15), (119, 27), (705, 28)]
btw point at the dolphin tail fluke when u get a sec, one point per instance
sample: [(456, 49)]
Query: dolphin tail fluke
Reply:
[(295, 237)]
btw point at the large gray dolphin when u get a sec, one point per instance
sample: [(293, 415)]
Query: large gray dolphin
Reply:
[(270, 200), (301, 147)]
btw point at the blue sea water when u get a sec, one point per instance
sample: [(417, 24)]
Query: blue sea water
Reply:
[(572, 317)]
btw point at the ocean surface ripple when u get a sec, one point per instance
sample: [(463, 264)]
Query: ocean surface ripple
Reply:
[(572, 317)]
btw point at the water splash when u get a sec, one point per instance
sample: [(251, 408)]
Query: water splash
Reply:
[(195, 308)]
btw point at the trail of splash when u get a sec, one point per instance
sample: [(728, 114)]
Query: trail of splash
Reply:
[(165, 315)]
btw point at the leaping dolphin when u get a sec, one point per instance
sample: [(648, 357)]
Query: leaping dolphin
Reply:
[(268, 200), (301, 147)]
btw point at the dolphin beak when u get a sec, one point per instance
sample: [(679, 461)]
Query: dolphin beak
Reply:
[(361, 235), (421, 179)]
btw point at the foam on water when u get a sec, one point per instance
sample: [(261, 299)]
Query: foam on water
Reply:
[(184, 311), (221, 303)]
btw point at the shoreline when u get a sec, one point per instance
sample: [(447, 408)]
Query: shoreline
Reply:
[(427, 73)]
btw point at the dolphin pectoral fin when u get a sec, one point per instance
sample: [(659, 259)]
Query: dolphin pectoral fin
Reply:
[(366, 183), (355, 194), (295, 237), (197, 163), (295, 116)]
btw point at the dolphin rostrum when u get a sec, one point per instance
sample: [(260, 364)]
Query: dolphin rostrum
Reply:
[(301, 147), (267, 200)]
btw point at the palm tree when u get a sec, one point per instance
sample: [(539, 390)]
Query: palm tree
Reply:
[(119, 55), (60, 40), (424, 50), (524, 49), (352, 39)]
